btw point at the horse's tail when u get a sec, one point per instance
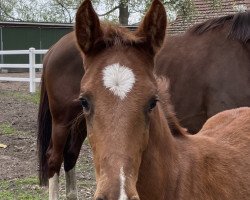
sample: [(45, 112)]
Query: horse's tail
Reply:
[(44, 132)]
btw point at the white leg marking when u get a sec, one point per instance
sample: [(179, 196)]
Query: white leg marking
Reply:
[(71, 189), (118, 79), (54, 187), (123, 195)]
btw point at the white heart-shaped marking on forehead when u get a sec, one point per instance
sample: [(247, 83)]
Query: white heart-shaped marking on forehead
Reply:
[(118, 79)]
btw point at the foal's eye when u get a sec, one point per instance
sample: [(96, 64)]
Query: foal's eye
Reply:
[(152, 103), (85, 104)]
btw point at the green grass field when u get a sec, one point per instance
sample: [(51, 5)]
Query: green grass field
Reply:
[(22, 189)]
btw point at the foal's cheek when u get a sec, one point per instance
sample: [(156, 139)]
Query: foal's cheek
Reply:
[(145, 139), (91, 138), (145, 134)]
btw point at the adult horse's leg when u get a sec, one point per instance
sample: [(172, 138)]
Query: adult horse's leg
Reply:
[(71, 153), (55, 157), (65, 145)]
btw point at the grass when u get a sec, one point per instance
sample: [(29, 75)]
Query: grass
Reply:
[(7, 129), (22, 189), (27, 188), (23, 96), (33, 98)]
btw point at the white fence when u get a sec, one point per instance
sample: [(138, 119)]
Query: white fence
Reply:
[(32, 66)]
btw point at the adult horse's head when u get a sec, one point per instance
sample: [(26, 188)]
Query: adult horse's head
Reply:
[(118, 94)]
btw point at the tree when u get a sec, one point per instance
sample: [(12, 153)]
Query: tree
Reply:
[(122, 6), (21, 10), (6, 8), (135, 9)]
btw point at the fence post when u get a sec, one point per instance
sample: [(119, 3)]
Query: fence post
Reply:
[(32, 70)]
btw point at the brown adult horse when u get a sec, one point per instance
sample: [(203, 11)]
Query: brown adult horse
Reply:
[(209, 68), (57, 142), (135, 154), (58, 109)]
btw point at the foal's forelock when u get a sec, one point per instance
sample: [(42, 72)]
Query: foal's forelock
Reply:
[(117, 36)]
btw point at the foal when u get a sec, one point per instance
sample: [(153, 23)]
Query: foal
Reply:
[(135, 154)]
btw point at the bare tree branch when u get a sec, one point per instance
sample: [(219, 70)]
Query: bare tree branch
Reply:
[(110, 11), (65, 9), (4, 13)]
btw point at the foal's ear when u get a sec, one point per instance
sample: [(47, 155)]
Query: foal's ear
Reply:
[(87, 27), (153, 26)]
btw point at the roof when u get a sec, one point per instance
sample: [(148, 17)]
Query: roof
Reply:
[(35, 24), (44, 24), (205, 10)]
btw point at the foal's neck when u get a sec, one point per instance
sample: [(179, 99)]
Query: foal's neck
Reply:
[(159, 169)]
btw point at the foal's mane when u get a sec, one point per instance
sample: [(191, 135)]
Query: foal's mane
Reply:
[(239, 26), (168, 109)]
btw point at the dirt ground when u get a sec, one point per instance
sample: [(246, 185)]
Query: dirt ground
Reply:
[(18, 161)]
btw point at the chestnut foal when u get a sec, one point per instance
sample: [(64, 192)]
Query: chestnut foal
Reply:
[(135, 154)]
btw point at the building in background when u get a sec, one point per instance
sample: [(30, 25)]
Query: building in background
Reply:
[(23, 35), (205, 10)]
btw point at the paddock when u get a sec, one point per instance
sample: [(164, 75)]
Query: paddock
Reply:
[(18, 131)]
